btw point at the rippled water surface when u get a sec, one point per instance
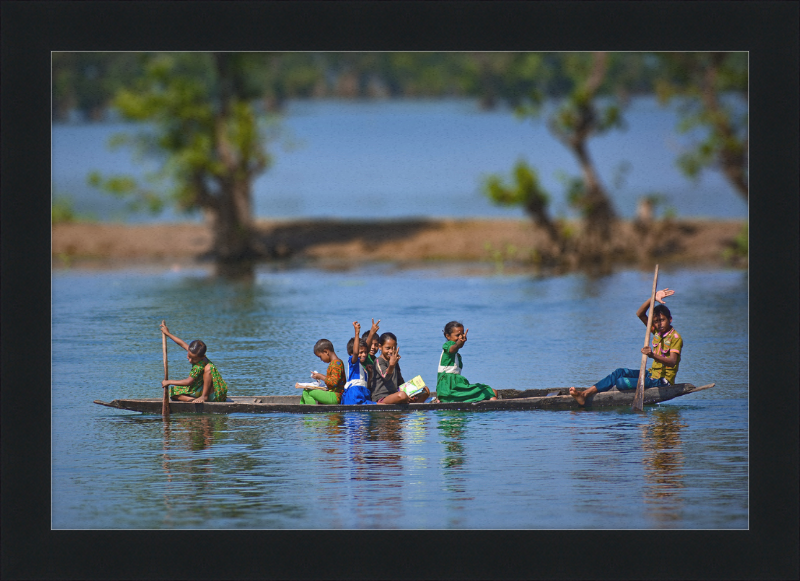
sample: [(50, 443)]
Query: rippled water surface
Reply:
[(681, 464)]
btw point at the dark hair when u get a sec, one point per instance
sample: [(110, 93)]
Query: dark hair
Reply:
[(361, 343), (197, 348), (662, 310), (366, 334), (385, 336), (448, 328), (322, 345)]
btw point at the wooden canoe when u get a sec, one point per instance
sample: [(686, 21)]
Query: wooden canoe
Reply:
[(556, 398)]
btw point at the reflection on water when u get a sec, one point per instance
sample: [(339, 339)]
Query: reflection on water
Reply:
[(324, 432), (189, 434), (453, 432), (374, 451), (238, 271), (383, 445), (683, 464), (663, 462), (452, 425)]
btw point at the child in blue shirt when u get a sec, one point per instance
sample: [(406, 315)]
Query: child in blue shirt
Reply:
[(356, 391)]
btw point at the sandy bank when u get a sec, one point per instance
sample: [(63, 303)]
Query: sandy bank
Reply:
[(692, 242)]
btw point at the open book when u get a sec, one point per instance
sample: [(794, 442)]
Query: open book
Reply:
[(316, 384), (321, 386), (413, 387)]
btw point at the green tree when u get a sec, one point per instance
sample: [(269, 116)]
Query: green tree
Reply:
[(199, 121), (87, 81), (495, 78), (524, 190), (712, 88), (578, 118), (579, 115)]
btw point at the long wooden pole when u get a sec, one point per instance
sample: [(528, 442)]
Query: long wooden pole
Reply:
[(165, 402), (638, 399)]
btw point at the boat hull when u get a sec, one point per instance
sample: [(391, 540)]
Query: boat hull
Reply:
[(509, 399)]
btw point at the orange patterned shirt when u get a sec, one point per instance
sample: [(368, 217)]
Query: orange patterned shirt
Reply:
[(335, 378)]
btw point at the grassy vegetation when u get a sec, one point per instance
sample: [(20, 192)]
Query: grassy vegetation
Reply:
[(63, 211), (740, 249)]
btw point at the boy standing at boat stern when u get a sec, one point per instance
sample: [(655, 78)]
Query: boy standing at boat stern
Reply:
[(665, 351)]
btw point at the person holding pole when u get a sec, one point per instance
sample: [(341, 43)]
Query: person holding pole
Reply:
[(204, 382), (665, 351)]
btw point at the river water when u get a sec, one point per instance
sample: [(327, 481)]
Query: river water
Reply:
[(682, 464)]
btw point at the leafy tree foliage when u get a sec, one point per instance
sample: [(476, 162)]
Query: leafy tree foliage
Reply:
[(203, 112), (576, 119), (199, 121), (580, 114), (524, 190), (712, 88), (88, 81)]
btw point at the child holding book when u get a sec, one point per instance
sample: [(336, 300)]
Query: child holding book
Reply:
[(204, 382), (356, 390), (451, 386), (388, 378), (334, 380)]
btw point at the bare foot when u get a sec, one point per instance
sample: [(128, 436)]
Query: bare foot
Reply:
[(182, 397), (579, 397)]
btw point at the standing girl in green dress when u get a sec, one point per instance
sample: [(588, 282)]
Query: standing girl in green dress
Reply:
[(204, 382), (451, 386)]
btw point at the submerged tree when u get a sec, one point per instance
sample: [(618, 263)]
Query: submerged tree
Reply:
[(526, 191), (713, 92), (201, 125), (578, 116)]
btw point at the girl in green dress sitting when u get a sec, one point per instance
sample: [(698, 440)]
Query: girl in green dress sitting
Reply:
[(451, 386), (204, 382)]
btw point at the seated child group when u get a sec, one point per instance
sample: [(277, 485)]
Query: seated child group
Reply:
[(372, 374)]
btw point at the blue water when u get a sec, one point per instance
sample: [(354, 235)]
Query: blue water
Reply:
[(679, 465), (395, 159)]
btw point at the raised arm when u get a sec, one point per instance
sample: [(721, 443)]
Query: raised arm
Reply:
[(462, 338), (641, 312), (394, 358), (356, 342), (179, 341), (372, 332)]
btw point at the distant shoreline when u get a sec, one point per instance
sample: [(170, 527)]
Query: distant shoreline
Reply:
[(696, 241)]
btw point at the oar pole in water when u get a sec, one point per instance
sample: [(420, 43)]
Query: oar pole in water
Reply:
[(638, 399), (165, 402)]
